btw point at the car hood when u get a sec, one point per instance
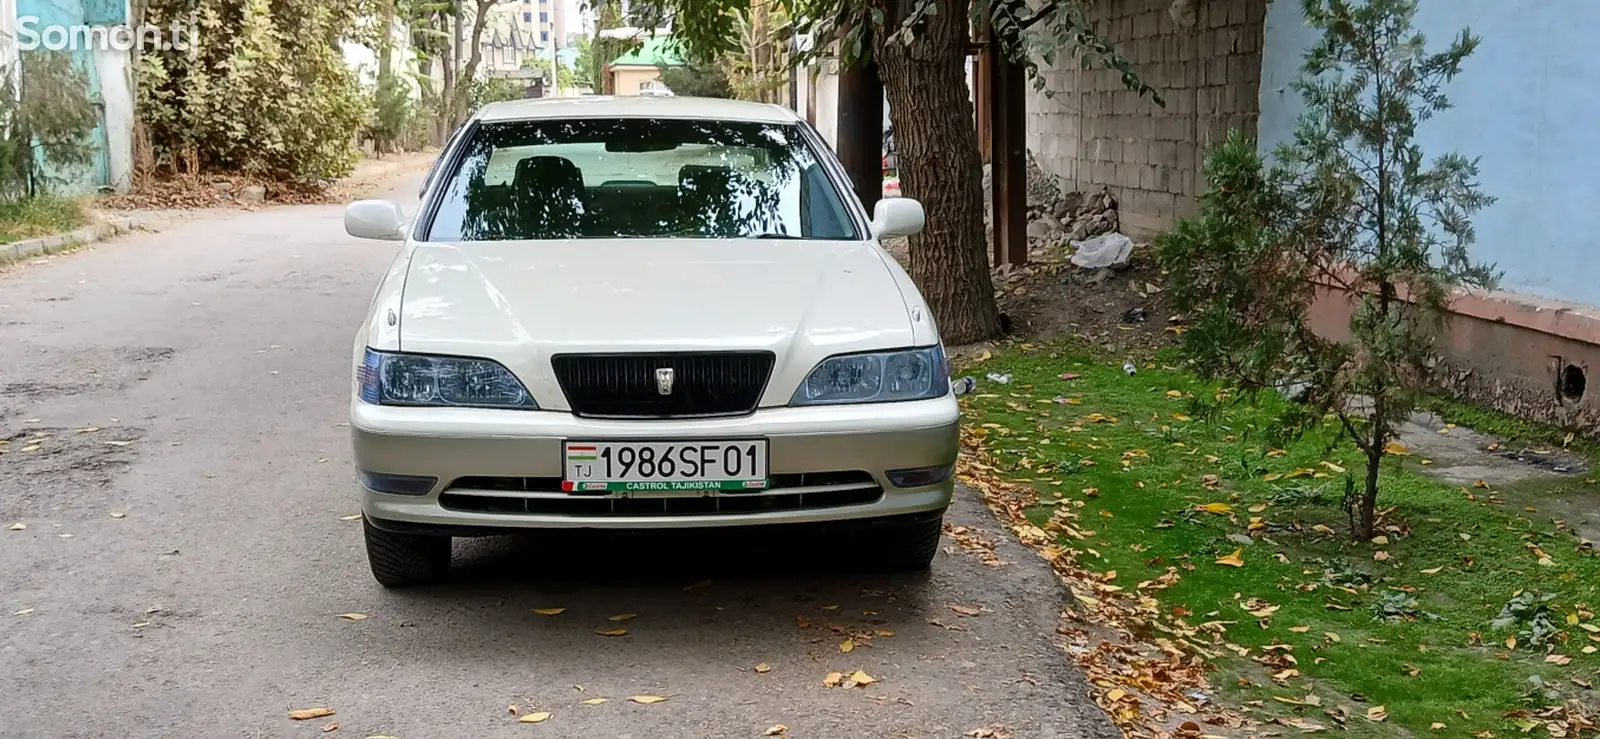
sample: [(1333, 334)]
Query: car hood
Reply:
[(520, 302)]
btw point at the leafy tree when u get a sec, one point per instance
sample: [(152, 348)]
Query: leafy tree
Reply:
[(1350, 203), (268, 93), (48, 120), (583, 65), (696, 78), (921, 48)]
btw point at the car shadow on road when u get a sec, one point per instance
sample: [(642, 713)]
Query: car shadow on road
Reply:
[(775, 593), (676, 561)]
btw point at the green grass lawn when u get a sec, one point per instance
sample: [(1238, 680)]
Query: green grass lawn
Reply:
[(40, 216), (1166, 476)]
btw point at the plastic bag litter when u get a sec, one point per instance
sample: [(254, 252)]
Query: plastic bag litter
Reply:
[(1106, 250)]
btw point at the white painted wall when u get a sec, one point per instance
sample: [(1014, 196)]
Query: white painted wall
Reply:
[(116, 91)]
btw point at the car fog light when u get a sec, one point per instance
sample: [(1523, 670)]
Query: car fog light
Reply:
[(378, 482), (917, 477)]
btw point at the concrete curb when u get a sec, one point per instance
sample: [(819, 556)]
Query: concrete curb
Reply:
[(17, 251)]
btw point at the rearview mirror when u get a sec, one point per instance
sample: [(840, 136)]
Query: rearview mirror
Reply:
[(894, 217), (375, 219)]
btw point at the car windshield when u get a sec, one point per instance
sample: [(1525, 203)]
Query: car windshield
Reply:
[(639, 178)]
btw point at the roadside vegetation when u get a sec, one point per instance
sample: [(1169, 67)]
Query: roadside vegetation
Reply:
[(42, 215), (1468, 613)]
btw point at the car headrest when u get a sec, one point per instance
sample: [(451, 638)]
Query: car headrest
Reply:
[(692, 171), (547, 173)]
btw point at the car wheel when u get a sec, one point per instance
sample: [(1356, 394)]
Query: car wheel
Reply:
[(909, 545), (401, 560)]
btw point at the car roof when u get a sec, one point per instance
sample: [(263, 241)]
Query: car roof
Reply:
[(617, 106)]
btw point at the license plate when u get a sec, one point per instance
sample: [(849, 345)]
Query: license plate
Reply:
[(639, 466)]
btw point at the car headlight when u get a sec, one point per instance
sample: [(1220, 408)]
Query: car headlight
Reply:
[(388, 378), (878, 377)]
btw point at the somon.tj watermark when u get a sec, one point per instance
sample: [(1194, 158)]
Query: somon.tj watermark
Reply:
[(34, 34)]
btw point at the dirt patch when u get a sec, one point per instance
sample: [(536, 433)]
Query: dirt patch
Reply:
[(86, 371), (1117, 310), (62, 473)]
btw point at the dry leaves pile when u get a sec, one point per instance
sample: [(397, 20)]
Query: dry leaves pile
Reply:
[(1145, 686), (204, 192)]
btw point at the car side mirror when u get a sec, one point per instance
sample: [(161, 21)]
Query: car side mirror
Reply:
[(894, 217), (375, 219)]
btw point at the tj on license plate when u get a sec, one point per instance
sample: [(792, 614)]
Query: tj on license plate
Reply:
[(637, 466)]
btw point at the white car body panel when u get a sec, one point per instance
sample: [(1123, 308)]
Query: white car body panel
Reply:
[(519, 302)]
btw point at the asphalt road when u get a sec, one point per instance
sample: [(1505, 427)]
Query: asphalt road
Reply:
[(185, 563)]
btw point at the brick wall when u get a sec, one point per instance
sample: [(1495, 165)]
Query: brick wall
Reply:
[(1094, 132)]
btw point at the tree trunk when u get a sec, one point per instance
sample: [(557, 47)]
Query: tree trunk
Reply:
[(1366, 507), (926, 84), (447, 62), (458, 106)]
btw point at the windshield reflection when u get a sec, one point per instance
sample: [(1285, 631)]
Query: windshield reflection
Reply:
[(639, 178)]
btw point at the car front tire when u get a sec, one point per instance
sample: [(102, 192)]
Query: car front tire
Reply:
[(909, 545), (405, 560)]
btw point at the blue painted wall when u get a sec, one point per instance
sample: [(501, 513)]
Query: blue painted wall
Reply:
[(1524, 103), (68, 13)]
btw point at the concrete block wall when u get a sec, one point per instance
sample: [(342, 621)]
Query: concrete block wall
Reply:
[(1093, 132)]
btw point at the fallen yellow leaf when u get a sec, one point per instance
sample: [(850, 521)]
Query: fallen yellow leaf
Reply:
[(646, 699), (1322, 529), (351, 517), (304, 714), (1116, 695), (331, 727), (1269, 477), (1180, 417), (833, 678), (1377, 713), (595, 701), (1437, 726), (763, 668), (1396, 448), (1232, 560), (776, 729), (848, 645), (1215, 507), (120, 514), (17, 527), (612, 632), (353, 616), (1432, 570), (534, 718), (965, 610), (623, 617), (1332, 467), (1299, 629), (862, 678), (1380, 556), (548, 611)]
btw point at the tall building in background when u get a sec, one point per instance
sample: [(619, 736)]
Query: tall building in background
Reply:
[(543, 21)]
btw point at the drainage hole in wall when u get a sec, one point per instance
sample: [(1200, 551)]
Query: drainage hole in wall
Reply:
[(1573, 383)]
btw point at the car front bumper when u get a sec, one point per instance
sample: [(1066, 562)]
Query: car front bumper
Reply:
[(845, 452)]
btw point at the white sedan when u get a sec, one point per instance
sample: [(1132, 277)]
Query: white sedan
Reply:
[(645, 313)]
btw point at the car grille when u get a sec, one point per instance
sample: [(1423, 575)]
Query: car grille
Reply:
[(625, 385), (543, 496)]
